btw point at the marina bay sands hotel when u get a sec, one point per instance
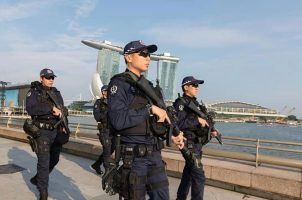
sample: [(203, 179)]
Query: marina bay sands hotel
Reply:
[(108, 64)]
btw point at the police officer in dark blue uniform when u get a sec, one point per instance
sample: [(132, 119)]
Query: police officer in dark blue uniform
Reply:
[(100, 111), (129, 113), (45, 115), (194, 129)]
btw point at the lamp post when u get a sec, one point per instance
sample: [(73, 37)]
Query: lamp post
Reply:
[(2, 93)]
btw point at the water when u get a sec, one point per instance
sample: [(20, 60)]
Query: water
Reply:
[(274, 132), (246, 130)]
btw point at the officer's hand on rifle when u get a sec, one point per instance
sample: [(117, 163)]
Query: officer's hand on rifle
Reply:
[(214, 133), (179, 140), (202, 122), (56, 112), (161, 113)]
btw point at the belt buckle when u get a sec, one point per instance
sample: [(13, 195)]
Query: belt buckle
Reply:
[(141, 150), (128, 150), (149, 149)]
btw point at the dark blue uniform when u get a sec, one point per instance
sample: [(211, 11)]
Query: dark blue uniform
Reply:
[(143, 166), (192, 175), (100, 111), (39, 107)]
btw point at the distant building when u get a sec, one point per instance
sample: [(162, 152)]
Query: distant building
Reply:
[(88, 107), (107, 64), (243, 109), (167, 78), (14, 95), (77, 105)]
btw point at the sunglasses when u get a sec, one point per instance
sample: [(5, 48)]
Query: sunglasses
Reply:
[(144, 54), (195, 85), (50, 78)]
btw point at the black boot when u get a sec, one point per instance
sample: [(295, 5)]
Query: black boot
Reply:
[(43, 195), (96, 167), (33, 180)]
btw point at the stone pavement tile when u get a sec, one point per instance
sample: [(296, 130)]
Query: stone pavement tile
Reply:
[(71, 179)]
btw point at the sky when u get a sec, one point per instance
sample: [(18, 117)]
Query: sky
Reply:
[(247, 51)]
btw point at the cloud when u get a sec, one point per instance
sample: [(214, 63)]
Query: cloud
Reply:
[(23, 56), (197, 36), (20, 10), (83, 10)]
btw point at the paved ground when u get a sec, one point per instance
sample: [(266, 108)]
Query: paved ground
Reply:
[(71, 179)]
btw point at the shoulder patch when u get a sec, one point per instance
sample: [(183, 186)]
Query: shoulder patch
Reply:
[(181, 107), (113, 89), (28, 94)]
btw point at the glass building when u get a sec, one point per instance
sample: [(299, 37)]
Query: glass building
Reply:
[(167, 79), (107, 64)]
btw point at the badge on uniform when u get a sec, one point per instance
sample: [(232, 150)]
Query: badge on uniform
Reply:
[(113, 89), (132, 89), (181, 107), (28, 94)]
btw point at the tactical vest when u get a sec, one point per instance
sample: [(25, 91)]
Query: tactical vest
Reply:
[(198, 131), (150, 126), (104, 108), (43, 98), (139, 101)]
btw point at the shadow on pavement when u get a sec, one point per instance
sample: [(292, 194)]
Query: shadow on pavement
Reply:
[(85, 165), (60, 186)]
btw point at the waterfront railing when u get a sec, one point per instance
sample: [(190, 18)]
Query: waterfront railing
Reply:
[(258, 152)]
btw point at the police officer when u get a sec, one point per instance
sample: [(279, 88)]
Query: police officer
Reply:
[(100, 111), (129, 113), (45, 115), (195, 129)]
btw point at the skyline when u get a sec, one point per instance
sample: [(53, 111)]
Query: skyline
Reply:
[(245, 51)]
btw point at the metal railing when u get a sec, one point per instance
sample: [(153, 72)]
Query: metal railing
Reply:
[(254, 146)]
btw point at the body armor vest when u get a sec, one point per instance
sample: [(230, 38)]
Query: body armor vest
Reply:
[(139, 101), (150, 126), (198, 131)]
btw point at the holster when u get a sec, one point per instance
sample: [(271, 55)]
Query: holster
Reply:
[(33, 143), (128, 157), (30, 128)]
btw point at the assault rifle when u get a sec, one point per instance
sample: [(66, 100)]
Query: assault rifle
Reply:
[(146, 87), (63, 119), (208, 116)]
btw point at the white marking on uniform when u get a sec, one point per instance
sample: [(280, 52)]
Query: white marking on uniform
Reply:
[(113, 89), (181, 107)]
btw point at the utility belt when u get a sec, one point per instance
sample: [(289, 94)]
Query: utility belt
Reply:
[(140, 150), (44, 125)]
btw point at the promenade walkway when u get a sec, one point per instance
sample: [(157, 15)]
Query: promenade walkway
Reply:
[(71, 179)]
